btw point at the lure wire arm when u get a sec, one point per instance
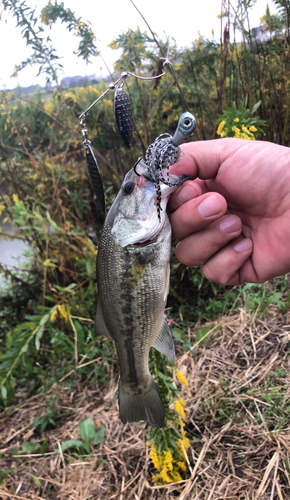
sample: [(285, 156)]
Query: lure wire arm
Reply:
[(124, 75), (135, 166)]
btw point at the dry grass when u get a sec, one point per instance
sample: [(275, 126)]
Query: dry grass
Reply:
[(238, 419)]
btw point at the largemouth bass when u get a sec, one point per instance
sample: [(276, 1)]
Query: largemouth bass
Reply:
[(133, 283)]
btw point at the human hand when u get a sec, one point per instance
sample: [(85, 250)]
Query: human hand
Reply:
[(234, 219)]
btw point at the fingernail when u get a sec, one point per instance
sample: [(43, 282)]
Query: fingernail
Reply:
[(210, 206), (243, 245), (230, 224), (186, 194)]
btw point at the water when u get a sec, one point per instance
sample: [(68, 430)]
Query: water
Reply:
[(11, 251)]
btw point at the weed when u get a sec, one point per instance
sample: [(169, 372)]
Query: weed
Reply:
[(90, 436)]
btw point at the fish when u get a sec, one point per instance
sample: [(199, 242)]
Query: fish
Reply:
[(133, 283)]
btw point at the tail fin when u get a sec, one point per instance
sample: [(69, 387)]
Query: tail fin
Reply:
[(144, 404)]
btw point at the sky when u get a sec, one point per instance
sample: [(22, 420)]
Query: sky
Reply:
[(110, 18)]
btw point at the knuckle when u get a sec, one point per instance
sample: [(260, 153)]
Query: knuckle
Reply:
[(221, 275), (213, 276)]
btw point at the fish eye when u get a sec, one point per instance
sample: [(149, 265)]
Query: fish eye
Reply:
[(187, 122), (128, 188)]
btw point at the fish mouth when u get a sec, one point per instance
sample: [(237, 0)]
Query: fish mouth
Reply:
[(145, 243)]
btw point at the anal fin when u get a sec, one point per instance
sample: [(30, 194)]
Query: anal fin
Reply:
[(164, 341)]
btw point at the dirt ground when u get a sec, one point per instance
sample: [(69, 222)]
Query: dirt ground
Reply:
[(238, 422)]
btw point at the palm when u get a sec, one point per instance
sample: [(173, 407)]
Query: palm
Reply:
[(257, 189)]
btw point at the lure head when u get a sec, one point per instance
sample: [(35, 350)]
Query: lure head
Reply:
[(165, 151), (185, 129)]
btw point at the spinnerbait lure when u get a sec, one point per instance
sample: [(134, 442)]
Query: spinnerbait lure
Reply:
[(165, 151), (124, 120)]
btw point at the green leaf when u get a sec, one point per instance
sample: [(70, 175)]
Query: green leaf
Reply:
[(38, 337), (71, 286), (178, 334), (44, 319), (87, 429), (53, 224), (71, 443), (255, 107), (163, 376), (4, 392), (31, 447), (99, 435), (87, 432), (35, 479), (201, 334)]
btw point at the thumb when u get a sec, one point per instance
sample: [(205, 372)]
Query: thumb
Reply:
[(203, 158)]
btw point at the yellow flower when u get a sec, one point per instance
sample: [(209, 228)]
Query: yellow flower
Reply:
[(220, 127), (181, 378), (175, 476), (165, 474), (48, 106), (185, 442), (236, 120), (179, 409), (237, 131), (61, 310), (246, 130), (169, 463), (155, 458), (71, 95), (182, 466), (2, 208), (15, 198), (223, 134), (253, 129), (182, 402), (168, 460)]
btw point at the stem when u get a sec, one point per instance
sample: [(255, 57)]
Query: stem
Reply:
[(45, 274), (286, 122), (181, 93)]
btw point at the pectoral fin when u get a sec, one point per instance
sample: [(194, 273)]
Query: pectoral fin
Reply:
[(164, 341), (100, 326)]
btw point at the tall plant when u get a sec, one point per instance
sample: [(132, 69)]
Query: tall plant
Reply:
[(44, 55)]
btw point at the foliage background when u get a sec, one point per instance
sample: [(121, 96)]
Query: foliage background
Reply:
[(48, 306)]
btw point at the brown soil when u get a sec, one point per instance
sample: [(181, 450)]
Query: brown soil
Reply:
[(238, 421)]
